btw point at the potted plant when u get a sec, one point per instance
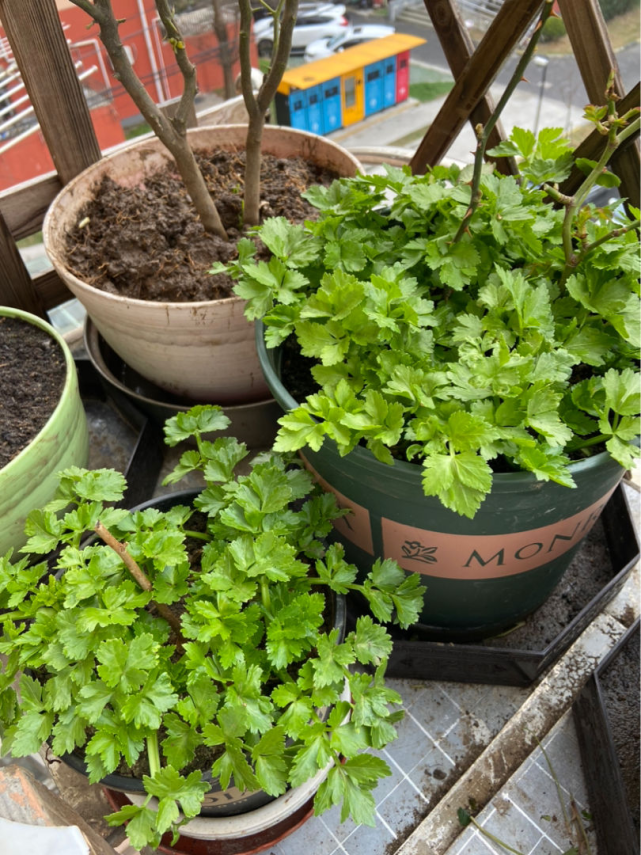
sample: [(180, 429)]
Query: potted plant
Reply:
[(201, 631), (133, 235), (43, 423), (460, 367)]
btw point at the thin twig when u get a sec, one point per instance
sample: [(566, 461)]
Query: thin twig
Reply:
[(139, 575), (576, 818), (613, 234), (493, 838), (483, 133)]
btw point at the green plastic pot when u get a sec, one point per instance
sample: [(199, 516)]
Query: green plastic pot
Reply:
[(482, 575), (30, 479)]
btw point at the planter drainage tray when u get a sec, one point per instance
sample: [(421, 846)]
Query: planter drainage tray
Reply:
[(598, 715), (253, 424), (120, 437), (513, 662)]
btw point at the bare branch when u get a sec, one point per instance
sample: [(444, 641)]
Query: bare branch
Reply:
[(278, 65), (244, 44), (175, 39), (87, 7), (138, 574), (170, 132), (224, 51)]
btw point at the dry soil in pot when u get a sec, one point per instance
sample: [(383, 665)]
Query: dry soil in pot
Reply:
[(147, 242), (32, 376)]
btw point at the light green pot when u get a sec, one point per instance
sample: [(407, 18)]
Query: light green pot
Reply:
[(30, 480)]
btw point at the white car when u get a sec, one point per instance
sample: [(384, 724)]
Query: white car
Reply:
[(348, 38), (314, 21)]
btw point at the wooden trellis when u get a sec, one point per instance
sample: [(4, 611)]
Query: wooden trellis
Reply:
[(38, 43)]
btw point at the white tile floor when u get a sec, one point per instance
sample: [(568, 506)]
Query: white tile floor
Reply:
[(445, 728), (526, 813)]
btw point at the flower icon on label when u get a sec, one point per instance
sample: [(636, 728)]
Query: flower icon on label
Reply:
[(414, 550)]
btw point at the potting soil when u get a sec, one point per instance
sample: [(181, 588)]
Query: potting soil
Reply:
[(147, 242), (32, 376)]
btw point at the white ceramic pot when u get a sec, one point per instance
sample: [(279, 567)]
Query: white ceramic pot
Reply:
[(203, 351)]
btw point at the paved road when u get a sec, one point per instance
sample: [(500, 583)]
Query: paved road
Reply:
[(563, 81)]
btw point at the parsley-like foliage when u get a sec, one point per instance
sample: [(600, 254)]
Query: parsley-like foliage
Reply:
[(244, 663), (515, 337)]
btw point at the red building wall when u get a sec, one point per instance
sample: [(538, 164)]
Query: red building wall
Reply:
[(30, 157), (153, 60)]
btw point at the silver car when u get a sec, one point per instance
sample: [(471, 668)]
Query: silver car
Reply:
[(349, 37), (314, 21)]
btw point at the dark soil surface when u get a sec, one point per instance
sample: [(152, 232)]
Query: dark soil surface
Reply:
[(589, 573), (32, 376), (620, 687), (147, 242)]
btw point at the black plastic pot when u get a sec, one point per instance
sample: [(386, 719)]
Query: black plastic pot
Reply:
[(609, 801), (482, 575), (218, 802)]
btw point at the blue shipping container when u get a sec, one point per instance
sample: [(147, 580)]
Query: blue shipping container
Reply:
[(373, 88), (298, 109), (314, 110), (331, 105), (389, 82)]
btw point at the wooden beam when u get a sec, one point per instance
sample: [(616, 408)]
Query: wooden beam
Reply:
[(504, 33), (40, 49), (24, 206), (458, 47), (51, 289), (590, 42), (592, 146), (16, 288)]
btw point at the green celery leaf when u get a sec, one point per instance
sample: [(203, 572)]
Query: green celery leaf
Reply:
[(168, 783)]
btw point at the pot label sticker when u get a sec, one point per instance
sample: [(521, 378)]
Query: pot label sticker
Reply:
[(356, 526), (477, 556)]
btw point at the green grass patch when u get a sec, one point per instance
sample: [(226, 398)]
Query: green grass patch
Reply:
[(32, 240), (137, 131), (429, 91), (408, 139)]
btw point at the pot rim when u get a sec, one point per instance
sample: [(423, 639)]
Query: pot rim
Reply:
[(400, 469), (154, 144), (262, 818), (68, 385)]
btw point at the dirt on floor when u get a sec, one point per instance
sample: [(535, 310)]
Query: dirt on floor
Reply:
[(32, 376), (147, 242), (620, 687), (589, 573)]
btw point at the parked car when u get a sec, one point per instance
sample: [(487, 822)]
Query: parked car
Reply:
[(314, 21), (347, 38)]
